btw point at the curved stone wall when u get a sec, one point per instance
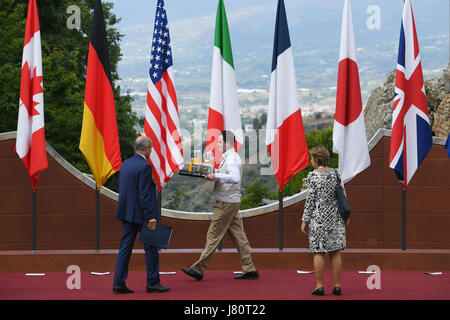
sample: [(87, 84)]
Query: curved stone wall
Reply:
[(66, 202)]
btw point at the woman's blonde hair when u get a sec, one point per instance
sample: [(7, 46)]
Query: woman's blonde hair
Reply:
[(320, 154)]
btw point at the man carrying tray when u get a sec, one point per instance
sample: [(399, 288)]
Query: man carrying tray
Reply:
[(227, 193)]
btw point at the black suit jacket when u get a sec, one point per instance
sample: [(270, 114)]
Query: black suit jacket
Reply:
[(137, 193)]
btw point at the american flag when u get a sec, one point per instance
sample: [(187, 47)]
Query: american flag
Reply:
[(411, 137), (162, 124)]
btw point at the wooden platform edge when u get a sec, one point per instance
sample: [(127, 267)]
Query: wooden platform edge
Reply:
[(228, 259)]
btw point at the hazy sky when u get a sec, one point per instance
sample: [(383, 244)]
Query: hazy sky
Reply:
[(431, 16), (313, 25)]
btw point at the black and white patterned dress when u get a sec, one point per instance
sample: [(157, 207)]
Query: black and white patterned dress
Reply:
[(326, 230)]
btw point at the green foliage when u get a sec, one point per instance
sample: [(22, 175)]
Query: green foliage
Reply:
[(260, 123), (175, 199), (256, 191), (257, 124), (12, 24), (313, 139), (64, 62)]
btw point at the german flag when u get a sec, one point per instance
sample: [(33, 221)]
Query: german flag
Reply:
[(99, 140)]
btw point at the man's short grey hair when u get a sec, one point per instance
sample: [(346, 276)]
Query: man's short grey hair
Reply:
[(142, 143)]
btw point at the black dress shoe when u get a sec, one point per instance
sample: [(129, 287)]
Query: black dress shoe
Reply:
[(319, 292), (337, 291), (248, 275), (157, 288), (192, 273), (122, 289)]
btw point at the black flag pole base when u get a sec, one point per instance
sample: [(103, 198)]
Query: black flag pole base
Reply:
[(280, 219), (97, 219), (403, 219), (33, 221)]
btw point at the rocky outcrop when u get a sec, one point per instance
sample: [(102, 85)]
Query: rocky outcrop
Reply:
[(441, 125), (378, 111), (437, 89)]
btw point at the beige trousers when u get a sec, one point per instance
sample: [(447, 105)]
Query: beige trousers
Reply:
[(225, 218)]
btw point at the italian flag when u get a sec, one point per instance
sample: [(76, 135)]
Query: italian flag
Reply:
[(224, 112)]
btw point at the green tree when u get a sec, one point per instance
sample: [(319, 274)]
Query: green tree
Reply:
[(12, 24), (263, 120), (64, 62), (256, 191), (256, 124), (313, 139), (175, 199)]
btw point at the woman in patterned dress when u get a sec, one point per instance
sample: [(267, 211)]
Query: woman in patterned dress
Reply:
[(326, 228)]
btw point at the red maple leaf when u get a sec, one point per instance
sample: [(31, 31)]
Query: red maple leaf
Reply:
[(30, 87)]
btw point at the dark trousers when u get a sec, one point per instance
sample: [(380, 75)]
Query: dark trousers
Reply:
[(129, 232)]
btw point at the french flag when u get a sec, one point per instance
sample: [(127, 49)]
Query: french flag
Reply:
[(285, 136), (349, 133), (411, 137)]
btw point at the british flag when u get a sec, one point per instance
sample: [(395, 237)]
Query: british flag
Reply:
[(411, 137), (162, 123)]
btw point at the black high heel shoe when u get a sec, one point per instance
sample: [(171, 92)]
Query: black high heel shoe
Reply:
[(319, 292), (337, 291)]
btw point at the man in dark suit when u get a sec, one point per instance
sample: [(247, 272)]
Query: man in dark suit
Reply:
[(137, 205)]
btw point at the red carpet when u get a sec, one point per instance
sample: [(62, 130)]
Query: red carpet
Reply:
[(220, 285)]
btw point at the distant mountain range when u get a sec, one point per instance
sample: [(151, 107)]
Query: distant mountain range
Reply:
[(315, 35), (314, 31)]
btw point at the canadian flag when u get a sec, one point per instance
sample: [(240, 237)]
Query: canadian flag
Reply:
[(349, 133), (30, 140)]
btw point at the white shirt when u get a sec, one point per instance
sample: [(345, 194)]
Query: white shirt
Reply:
[(233, 167)]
